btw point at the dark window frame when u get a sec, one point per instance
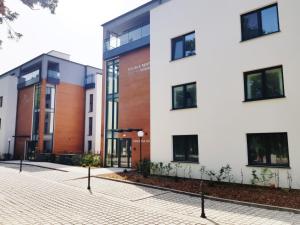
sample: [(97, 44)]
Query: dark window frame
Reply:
[(91, 102), (263, 71), (182, 38), (259, 18), (268, 163), (184, 90), (90, 146), (1, 101), (90, 128), (186, 153)]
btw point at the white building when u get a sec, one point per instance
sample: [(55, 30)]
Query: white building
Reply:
[(93, 96), (8, 105), (226, 114)]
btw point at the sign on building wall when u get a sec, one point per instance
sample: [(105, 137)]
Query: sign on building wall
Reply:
[(139, 68)]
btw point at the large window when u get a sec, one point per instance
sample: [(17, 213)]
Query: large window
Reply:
[(183, 46), (1, 101), (260, 22), (49, 118), (264, 84), (185, 148), (184, 96), (268, 149)]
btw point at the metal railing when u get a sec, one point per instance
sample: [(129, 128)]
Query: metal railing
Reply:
[(134, 35)]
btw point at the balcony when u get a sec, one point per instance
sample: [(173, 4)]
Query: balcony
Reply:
[(29, 79), (53, 77), (89, 82), (118, 44)]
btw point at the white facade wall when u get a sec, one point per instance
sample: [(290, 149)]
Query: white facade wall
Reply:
[(8, 90), (222, 119), (96, 115)]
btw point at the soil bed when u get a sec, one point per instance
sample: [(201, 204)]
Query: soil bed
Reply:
[(248, 193)]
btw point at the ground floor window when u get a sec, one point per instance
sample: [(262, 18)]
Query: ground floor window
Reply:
[(185, 148), (269, 149), (89, 146)]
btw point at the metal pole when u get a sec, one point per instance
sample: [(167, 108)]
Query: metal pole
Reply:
[(89, 178), (140, 149), (20, 165), (202, 201), (8, 156)]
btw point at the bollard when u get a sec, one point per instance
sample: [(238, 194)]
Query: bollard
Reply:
[(89, 179), (202, 201), (21, 161)]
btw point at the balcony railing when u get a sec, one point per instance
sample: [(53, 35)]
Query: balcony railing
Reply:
[(131, 36), (90, 81), (53, 74)]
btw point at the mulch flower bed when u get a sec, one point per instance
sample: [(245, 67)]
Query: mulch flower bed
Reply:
[(248, 193)]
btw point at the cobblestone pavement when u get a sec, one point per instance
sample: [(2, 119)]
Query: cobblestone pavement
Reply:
[(43, 196)]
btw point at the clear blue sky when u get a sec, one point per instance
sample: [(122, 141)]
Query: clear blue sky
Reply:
[(74, 29)]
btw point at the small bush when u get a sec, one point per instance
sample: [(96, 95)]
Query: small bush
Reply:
[(91, 160)]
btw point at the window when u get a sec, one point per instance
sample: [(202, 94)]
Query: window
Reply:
[(184, 96), (268, 149), (49, 123), (50, 97), (53, 70), (260, 22), (90, 126), (89, 146), (1, 101), (185, 148), (183, 46), (0, 123), (47, 146), (264, 84), (91, 103)]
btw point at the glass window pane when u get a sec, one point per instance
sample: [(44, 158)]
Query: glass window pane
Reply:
[(254, 86), (257, 148), (269, 20), (50, 96), (278, 145), (109, 114), (48, 146), (178, 97), (134, 35), (116, 108), (250, 26), (190, 95), (179, 148), (274, 83), (145, 30), (190, 44), (49, 123), (177, 49), (109, 152), (192, 148)]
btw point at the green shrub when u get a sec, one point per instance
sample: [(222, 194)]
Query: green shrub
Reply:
[(91, 160)]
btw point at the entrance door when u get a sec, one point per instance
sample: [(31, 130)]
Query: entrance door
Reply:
[(124, 152)]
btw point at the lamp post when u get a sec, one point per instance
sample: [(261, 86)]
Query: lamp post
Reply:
[(8, 151), (140, 135)]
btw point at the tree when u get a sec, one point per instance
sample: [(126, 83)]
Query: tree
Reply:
[(7, 15)]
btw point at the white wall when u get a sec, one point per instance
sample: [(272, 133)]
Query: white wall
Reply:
[(222, 119), (8, 89), (96, 114)]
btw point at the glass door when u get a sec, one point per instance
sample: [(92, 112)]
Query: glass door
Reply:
[(124, 152)]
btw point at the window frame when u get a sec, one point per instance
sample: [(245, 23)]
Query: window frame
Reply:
[(90, 128), (263, 72), (91, 103), (182, 38), (184, 90), (89, 146), (268, 163), (186, 153), (1, 101), (259, 18)]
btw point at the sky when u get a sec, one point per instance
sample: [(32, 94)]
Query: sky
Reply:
[(74, 29)]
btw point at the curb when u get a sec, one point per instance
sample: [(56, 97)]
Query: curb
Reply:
[(249, 204), (28, 164)]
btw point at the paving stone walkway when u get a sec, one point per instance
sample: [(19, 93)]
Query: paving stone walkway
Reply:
[(44, 196)]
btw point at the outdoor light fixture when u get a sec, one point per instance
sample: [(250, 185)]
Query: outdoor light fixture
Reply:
[(140, 135)]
